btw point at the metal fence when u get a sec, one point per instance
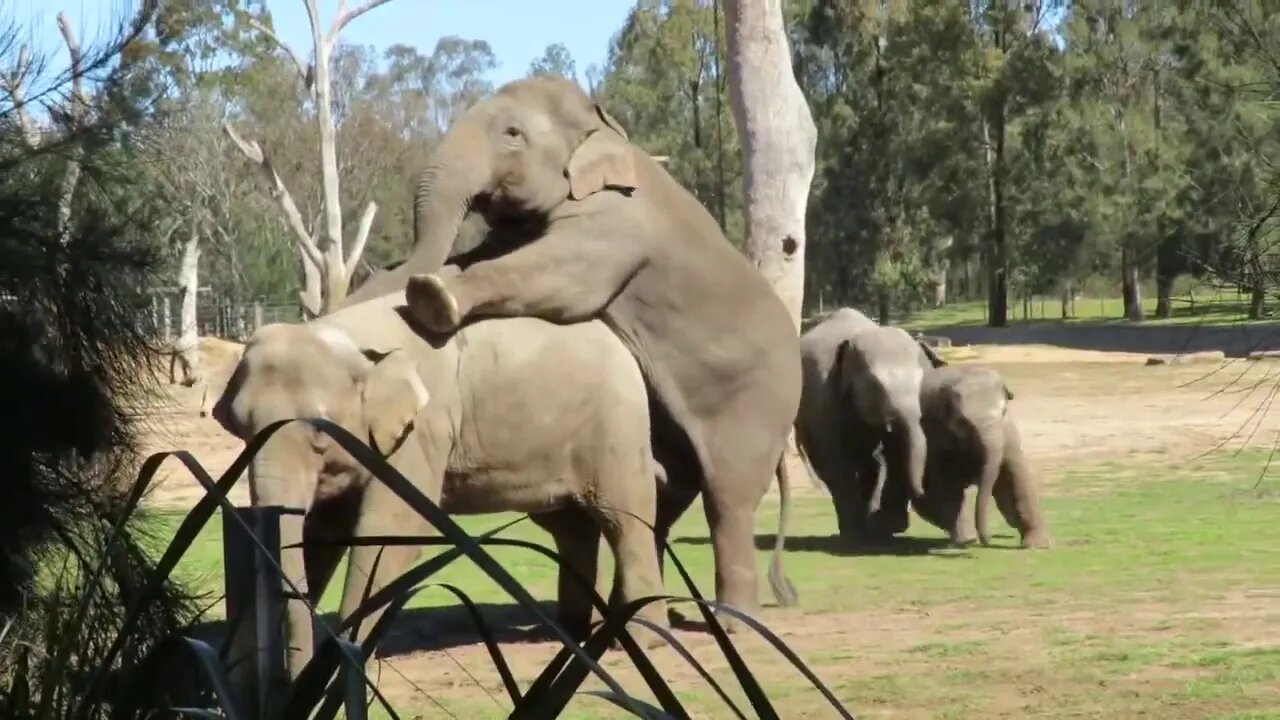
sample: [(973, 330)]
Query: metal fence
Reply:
[(226, 319)]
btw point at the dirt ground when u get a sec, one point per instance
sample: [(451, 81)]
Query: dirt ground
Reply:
[(1073, 407)]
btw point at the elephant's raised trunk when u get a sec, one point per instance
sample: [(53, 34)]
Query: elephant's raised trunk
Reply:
[(458, 170)]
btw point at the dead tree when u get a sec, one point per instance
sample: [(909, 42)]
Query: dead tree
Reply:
[(779, 140), (326, 268)]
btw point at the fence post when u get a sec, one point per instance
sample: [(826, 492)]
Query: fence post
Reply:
[(255, 609), (257, 315)]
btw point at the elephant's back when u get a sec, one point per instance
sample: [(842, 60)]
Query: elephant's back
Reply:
[(529, 349)]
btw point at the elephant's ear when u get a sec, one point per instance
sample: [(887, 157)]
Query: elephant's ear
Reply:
[(604, 159), (609, 120), (391, 397)]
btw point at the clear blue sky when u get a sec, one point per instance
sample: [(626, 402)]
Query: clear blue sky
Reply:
[(518, 30)]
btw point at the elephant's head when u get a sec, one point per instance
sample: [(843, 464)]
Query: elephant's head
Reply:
[(518, 154), (316, 370), (878, 372)]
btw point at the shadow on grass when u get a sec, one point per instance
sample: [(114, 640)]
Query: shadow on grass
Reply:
[(435, 628), (835, 545), (1235, 340)]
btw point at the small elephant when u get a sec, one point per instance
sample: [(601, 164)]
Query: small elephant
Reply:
[(599, 229), (860, 399), (973, 439), (514, 414)]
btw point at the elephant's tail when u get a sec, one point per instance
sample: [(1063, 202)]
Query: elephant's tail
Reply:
[(783, 591)]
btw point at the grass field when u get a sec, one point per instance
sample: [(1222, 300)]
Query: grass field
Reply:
[(1160, 599), (1208, 308)]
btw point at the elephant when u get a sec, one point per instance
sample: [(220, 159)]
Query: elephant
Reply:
[(860, 398), (515, 414), (592, 227), (973, 438)]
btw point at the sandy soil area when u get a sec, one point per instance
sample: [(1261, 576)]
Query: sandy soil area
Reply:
[(1072, 406)]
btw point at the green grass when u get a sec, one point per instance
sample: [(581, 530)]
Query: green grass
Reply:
[(1209, 308), (1102, 625)]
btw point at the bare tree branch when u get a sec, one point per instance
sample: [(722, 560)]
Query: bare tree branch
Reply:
[(304, 72), (254, 153), (13, 84), (344, 18), (76, 115), (362, 235)]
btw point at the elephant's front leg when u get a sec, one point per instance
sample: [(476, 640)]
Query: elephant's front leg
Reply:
[(854, 496), (943, 504), (577, 540), (568, 275), (372, 567)]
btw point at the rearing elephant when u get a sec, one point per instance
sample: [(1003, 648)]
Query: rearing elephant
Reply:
[(597, 228), (862, 393)]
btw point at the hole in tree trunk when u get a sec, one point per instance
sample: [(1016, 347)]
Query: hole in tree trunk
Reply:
[(789, 246)]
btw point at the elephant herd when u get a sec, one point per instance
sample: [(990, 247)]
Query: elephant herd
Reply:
[(572, 336), (885, 424)]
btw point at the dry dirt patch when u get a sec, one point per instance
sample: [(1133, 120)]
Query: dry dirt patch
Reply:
[(1072, 406)]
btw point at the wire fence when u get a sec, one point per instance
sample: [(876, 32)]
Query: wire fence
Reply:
[(220, 318)]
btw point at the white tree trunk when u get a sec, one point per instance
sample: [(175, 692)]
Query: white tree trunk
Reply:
[(186, 348), (779, 140)]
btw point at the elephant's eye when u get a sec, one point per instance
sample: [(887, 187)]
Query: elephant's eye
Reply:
[(512, 131)]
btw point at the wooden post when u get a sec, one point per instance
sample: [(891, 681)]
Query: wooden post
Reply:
[(257, 315), (255, 610)]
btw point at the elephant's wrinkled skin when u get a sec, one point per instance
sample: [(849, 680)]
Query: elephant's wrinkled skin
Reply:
[(862, 393), (513, 414), (972, 439), (609, 233)]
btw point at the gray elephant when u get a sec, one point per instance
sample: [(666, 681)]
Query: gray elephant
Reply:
[(590, 226), (515, 414), (861, 399), (973, 439)]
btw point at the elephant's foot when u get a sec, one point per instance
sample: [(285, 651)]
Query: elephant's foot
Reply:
[(430, 304), (964, 539), (884, 524), (1036, 539), (730, 624)]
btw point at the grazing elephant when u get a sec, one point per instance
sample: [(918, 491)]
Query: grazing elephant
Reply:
[(515, 414), (593, 227), (862, 394), (973, 438)]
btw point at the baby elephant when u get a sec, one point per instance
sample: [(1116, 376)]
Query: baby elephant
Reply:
[(972, 439)]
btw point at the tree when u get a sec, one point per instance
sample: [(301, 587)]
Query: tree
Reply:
[(555, 60), (665, 81), (74, 258), (326, 268), (779, 140)]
